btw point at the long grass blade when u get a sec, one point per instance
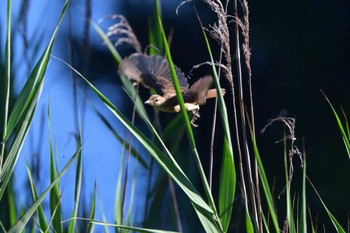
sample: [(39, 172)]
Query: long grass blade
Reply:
[(166, 161), (23, 111), (130, 228), (42, 220), (266, 187), (224, 118), (227, 187), (346, 138), (188, 124), (90, 227), (20, 225), (6, 87), (55, 194), (335, 222), (78, 183)]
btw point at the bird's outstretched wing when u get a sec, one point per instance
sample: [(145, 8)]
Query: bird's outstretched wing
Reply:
[(198, 91), (152, 71)]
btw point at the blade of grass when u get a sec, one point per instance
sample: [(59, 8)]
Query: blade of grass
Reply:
[(166, 161), (266, 188), (21, 223), (23, 111), (42, 220), (17, 143), (78, 183), (90, 227), (55, 194), (188, 126), (118, 206), (227, 187), (7, 86), (133, 229), (345, 137), (224, 118), (335, 222)]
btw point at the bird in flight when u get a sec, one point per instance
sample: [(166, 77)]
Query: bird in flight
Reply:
[(154, 72)]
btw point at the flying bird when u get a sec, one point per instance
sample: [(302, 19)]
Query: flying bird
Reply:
[(154, 72)]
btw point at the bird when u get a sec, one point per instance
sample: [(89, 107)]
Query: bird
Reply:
[(153, 71)]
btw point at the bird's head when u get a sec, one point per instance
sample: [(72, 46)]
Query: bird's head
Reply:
[(155, 100)]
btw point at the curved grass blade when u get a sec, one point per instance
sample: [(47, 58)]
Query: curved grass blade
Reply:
[(24, 108), (55, 194), (90, 227), (346, 138), (20, 225), (78, 183), (227, 187), (6, 87), (42, 220), (166, 161), (133, 229), (17, 143), (189, 130), (227, 137), (335, 222), (265, 186)]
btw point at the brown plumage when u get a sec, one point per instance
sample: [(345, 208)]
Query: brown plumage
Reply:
[(153, 72)]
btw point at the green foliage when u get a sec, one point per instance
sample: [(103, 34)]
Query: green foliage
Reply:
[(163, 146)]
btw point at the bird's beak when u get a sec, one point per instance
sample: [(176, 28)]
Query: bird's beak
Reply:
[(148, 102)]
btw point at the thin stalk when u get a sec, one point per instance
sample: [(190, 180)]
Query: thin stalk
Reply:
[(243, 120)]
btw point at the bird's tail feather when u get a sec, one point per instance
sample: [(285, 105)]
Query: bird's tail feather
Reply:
[(213, 94)]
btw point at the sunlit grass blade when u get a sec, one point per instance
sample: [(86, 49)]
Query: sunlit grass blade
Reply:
[(21, 223), (346, 138), (189, 131), (78, 183), (266, 187), (42, 220), (130, 228), (55, 194), (227, 187), (103, 216), (118, 206), (23, 110), (90, 227), (17, 143), (117, 58), (126, 83), (6, 88), (248, 223), (167, 162), (225, 122), (335, 222), (155, 35)]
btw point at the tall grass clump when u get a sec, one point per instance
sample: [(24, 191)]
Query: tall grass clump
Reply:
[(235, 195)]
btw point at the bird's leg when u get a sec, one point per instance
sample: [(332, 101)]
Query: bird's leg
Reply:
[(196, 115)]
